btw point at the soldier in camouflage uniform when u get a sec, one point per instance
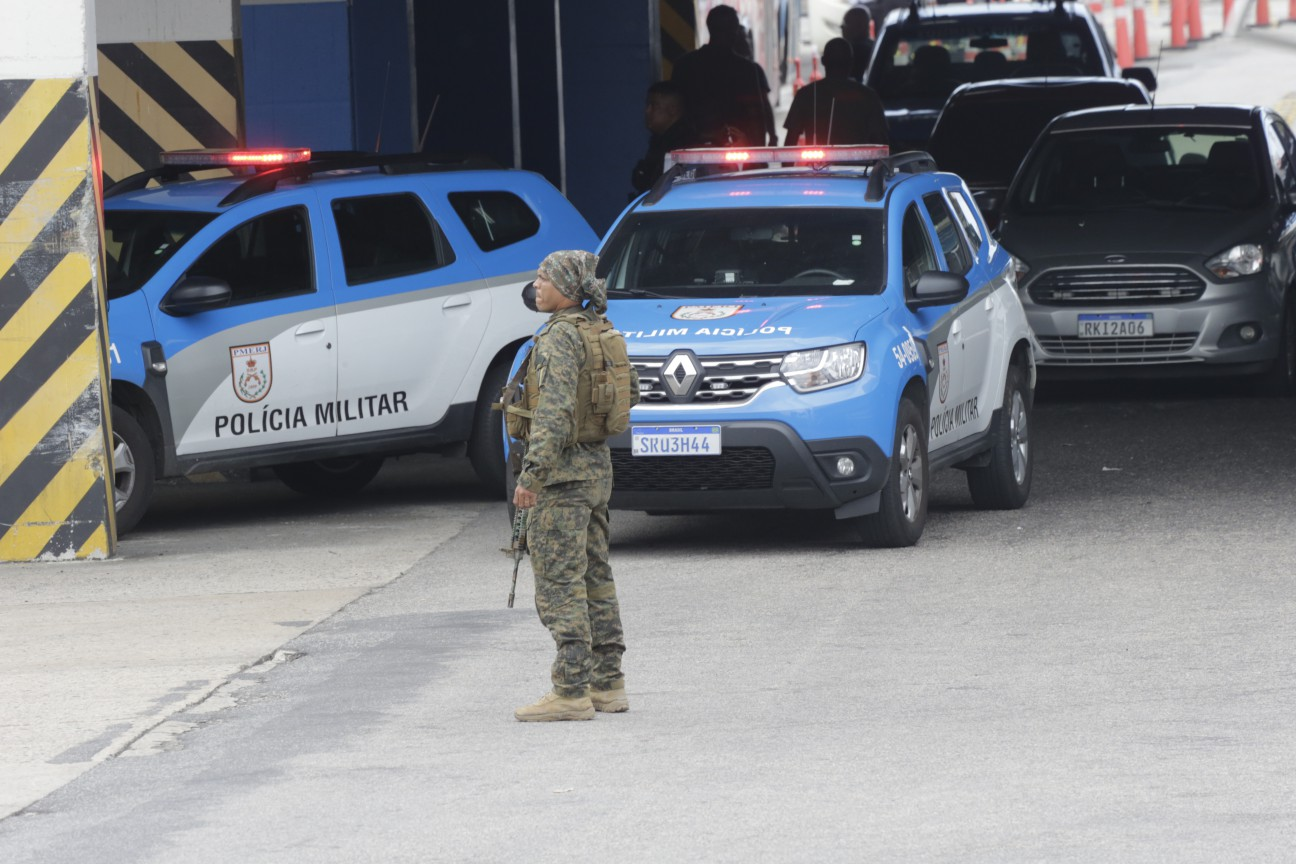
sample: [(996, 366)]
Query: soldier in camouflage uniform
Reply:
[(566, 485)]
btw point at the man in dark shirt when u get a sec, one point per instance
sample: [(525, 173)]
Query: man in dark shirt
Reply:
[(835, 109), (664, 119), (855, 30), (726, 97)]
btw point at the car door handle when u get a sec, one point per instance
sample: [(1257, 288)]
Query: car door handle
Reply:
[(989, 303), (956, 328), (457, 300), (310, 328)]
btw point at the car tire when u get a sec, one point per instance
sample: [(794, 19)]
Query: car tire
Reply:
[(486, 443), (329, 478), (134, 469), (902, 508), (1005, 483), (1280, 380)]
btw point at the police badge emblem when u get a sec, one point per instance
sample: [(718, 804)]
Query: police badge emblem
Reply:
[(942, 351), (705, 313), (252, 371)]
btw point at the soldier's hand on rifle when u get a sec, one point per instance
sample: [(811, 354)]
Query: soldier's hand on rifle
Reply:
[(523, 498)]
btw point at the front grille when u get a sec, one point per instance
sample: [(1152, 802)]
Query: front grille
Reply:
[(1116, 286), (734, 468), (727, 380), (1074, 351)]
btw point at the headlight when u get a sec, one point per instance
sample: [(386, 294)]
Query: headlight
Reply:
[(1244, 260), (1020, 267), (824, 367)]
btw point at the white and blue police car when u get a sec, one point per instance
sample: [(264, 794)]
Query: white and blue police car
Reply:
[(318, 314), (818, 335)]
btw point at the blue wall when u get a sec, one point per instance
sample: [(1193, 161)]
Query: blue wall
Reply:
[(296, 76), (321, 75)]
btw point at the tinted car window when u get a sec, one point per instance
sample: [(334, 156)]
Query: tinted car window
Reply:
[(264, 258), (495, 219), (138, 243), (919, 257), (710, 253), (384, 236), (951, 239), (1169, 167)]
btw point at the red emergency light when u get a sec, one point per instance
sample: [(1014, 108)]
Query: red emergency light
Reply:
[(236, 158), (813, 155)]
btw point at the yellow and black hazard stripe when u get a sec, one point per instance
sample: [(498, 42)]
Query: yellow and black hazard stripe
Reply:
[(678, 31), (156, 96), (56, 491)]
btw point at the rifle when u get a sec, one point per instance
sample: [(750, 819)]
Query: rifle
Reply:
[(518, 547)]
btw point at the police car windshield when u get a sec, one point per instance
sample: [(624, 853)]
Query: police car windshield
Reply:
[(1168, 168), (744, 253), (139, 242)]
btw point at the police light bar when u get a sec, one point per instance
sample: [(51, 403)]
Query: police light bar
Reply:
[(236, 158), (816, 155)]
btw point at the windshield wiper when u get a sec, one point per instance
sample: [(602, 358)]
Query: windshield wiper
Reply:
[(641, 292)]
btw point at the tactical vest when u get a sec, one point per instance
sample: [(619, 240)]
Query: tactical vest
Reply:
[(603, 391)]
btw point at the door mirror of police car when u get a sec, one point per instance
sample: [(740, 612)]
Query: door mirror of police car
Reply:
[(1141, 74), (195, 294), (936, 288)]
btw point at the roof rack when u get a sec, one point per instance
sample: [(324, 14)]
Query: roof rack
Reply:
[(266, 179), (701, 162), (705, 161), (909, 162)]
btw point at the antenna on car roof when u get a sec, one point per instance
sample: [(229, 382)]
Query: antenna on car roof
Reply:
[(428, 125), (382, 110), (1156, 70)]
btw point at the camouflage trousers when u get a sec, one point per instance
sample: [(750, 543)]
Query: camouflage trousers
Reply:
[(567, 536)]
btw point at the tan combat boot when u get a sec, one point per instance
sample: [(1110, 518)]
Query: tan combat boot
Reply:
[(612, 701), (551, 706)]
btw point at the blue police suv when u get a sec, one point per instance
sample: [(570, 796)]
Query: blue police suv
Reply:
[(317, 314), (818, 335)]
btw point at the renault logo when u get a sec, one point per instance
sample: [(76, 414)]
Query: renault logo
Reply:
[(680, 376)]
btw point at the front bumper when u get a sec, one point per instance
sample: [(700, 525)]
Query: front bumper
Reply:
[(763, 465), (1192, 338)]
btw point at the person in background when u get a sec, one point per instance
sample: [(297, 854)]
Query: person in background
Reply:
[(835, 109), (855, 27), (726, 97), (668, 130)]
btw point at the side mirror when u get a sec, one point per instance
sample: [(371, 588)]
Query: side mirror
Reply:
[(1141, 74), (195, 294), (936, 288)]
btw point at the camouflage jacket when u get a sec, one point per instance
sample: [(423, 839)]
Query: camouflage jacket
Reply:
[(552, 456)]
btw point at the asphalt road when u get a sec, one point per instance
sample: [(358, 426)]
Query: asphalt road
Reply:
[(1104, 675)]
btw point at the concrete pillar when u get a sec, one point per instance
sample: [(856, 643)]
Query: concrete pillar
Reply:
[(56, 490)]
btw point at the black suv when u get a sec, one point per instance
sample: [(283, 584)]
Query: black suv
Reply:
[(986, 129)]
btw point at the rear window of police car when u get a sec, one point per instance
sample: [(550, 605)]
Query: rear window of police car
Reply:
[(495, 219)]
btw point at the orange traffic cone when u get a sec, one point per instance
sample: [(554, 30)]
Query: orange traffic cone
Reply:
[(797, 83), (1124, 50)]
